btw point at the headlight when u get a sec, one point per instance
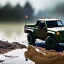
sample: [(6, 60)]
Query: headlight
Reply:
[(57, 33)]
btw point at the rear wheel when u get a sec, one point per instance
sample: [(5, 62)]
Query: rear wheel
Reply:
[(31, 39), (50, 43)]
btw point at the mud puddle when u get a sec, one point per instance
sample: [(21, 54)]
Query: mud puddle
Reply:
[(16, 57)]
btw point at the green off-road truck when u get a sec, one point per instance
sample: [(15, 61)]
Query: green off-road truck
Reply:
[(51, 30)]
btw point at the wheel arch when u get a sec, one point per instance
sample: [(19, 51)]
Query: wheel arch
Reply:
[(50, 34), (29, 31)]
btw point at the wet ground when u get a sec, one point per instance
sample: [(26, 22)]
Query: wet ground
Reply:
[(17, 56), (13, 53)]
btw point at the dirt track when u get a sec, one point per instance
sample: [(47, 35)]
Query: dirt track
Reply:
[(43, 56), (5, 46), (37, 54)]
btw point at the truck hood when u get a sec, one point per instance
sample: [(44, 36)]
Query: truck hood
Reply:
[(55, 29)]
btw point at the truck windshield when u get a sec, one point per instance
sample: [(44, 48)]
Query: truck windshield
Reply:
[(57, 23)]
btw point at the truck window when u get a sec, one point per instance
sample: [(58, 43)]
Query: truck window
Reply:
[(38, 22), (42, 25), (56, 23), (59, 23), (51, 24)]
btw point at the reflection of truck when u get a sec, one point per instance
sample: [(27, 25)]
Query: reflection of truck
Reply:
[(51, 30)]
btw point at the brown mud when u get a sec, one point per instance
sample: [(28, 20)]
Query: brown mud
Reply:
[(42, 56), (5, 46)]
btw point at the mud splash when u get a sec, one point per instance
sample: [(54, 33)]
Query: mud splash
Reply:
[(42, 56)]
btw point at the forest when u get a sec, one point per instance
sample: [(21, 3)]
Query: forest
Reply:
[(16, 13)]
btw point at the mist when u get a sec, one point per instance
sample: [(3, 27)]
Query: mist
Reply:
[(55, 12), (8, 13)]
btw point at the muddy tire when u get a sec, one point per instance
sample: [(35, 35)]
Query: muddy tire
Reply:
[(31, 39), (50, 43)]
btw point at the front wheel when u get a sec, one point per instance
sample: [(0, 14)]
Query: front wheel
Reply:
[(50, 43), (31, 39)]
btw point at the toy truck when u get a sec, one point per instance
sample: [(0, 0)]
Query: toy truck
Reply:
[(51, 30)]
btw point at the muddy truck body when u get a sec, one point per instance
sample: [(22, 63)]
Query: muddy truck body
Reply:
[(50, 30)]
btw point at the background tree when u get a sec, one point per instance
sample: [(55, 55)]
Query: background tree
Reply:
[(18, 13), (28, 10)]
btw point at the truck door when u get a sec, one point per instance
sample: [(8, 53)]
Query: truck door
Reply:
[(40, 31)]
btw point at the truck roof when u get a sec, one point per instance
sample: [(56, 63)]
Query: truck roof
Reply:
[(50, 19)]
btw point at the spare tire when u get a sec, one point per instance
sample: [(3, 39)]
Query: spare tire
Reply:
[(50, 43)]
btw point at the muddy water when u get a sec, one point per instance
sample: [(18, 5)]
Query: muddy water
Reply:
[(16, 57), (14, 33)]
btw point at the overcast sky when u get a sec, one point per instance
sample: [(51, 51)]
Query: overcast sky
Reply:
[(36, 4)]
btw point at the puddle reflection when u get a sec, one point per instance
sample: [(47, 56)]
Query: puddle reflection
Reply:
[(17, 57)]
